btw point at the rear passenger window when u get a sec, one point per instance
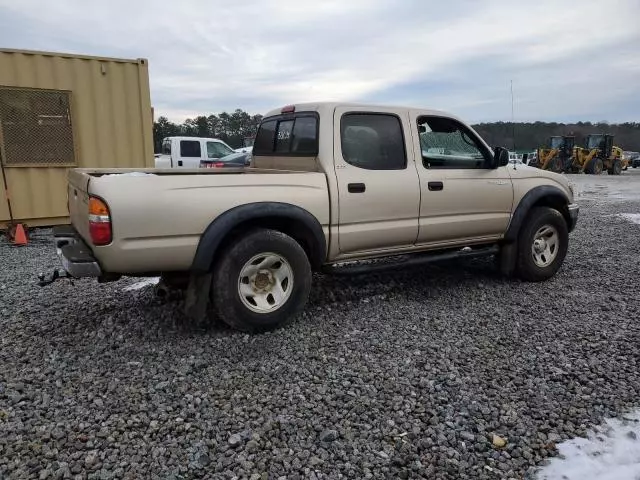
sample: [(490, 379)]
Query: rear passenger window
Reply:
[(373, 141), (295, 136), (190, 148)]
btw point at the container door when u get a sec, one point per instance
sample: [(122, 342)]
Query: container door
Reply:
[(36, 149)]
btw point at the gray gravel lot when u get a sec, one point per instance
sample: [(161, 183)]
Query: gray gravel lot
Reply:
[(395, 375)]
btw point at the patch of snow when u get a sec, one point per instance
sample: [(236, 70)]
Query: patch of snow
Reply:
[(610, 452), (144, 283), (632, 217)]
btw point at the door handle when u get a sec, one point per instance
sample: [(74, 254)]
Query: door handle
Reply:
[(356, 187), (179, 163), (435, 186)]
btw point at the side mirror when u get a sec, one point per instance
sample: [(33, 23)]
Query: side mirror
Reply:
[(500, 157)]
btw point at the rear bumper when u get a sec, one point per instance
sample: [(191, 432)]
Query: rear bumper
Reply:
[(574, 211), (75, 256)]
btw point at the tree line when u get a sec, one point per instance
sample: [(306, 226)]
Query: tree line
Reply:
[(529, 136), (234, 127)]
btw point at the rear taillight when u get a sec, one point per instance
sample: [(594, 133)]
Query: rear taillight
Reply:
[(211, 164), (99, 222)]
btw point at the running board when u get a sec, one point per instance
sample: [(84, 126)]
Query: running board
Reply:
[(413, 260)]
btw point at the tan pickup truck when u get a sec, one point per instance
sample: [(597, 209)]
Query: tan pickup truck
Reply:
[(329, 183)]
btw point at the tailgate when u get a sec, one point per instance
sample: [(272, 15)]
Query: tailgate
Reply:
[(78, 191)]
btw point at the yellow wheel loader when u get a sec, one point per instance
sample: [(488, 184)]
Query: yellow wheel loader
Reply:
[(599, 154), (557, 156)]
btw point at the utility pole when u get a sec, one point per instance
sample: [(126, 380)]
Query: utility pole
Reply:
[(513, 123)]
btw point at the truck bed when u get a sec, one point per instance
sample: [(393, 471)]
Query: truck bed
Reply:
[(158, 215)]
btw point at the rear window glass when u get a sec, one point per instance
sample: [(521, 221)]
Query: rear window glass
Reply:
[(283, 141), (264, 137), (189, 148), (305, 136), (295, 136)]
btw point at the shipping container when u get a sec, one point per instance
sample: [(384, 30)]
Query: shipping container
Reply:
[(59, 111)]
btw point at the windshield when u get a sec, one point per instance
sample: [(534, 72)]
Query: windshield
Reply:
[(217, 150), (594, 141), (556, 142)]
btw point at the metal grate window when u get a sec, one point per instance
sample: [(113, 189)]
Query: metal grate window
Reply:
[(35, 127)]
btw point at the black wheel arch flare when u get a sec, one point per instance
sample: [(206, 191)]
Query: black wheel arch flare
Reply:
[(543, 195), (290, 219)]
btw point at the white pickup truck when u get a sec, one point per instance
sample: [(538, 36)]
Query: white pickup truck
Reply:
[(329, 183), (191, 152)]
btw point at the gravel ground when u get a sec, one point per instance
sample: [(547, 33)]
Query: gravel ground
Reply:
[(396, 375)]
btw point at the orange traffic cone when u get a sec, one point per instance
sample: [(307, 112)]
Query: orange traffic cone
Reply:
[(20, 236)]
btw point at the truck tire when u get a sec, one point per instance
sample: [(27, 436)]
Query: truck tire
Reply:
[(261, 282), (616, 168), (542, 244), (595, 166), (556, 165)]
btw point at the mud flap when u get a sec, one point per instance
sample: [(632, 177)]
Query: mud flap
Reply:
[(507, 258), (197, 298)]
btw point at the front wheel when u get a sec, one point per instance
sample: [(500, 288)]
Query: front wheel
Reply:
[(261, 282), (542, 244)]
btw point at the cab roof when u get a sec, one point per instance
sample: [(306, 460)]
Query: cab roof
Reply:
[(194, 138), (331, 106)]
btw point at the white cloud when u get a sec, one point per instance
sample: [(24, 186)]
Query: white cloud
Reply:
[(211, 56)]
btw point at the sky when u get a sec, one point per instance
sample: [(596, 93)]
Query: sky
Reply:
[(568, 60)]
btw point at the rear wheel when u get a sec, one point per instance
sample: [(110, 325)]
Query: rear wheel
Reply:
[(261, 282), (616, 168), (595, 166), (556, 165), (542, 244)]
